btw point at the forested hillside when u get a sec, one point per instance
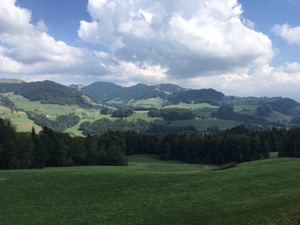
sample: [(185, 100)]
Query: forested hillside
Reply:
[(45, 91)]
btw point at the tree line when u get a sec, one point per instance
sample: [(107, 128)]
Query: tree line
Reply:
[(51, 149), (19, 150)]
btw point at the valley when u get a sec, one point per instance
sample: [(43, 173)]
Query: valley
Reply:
[(212, 110)]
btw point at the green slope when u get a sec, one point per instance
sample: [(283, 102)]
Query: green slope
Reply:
[(251, 193)]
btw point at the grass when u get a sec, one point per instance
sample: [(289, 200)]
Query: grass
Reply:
[(149, 103), (19, 119), (250, 193), (52, 110), (140, 115)]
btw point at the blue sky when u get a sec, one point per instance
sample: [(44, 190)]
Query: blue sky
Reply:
[(267, 13), (239, 47)]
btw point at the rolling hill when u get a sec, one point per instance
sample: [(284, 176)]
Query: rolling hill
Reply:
[(104, 91), (47, 100), (44, 91)]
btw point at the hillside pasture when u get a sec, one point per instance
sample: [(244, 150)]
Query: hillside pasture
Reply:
[(148, 103), (19, 119), (142, 194), (51, 111), (140, 115)]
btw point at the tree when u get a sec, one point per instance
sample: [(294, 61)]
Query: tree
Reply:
[(91, 147), (7, 145), (154, 113), (264, 110), (123, 112), (77, 151), (177, 114), (116, 156), (24, 150), (40, 154), (290, 143)]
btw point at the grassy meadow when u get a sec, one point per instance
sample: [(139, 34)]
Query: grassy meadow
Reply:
[(149, 191)]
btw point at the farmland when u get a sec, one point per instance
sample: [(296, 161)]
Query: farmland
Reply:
[(20, 119)]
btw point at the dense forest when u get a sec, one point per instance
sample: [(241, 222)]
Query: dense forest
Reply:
[(49, 148)]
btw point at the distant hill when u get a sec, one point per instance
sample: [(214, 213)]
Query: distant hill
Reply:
[(197, 96), (44, 91), (286, 106), (105, 91)]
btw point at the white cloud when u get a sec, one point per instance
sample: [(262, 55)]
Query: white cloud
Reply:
[(289, 34), (13, 20), (41, 26), (264, 81), (190, 39), (195, 43), (140, 73), (248, 23), (28, 50)]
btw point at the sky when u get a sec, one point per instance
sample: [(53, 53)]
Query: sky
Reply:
[(239, 47)]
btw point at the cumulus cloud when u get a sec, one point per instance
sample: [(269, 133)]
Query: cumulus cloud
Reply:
[(289, 34), (195, 43), (265, 81), (185, 39), (28, 49)]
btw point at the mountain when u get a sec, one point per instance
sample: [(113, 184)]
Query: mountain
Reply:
[(105, 91), (45, 91)]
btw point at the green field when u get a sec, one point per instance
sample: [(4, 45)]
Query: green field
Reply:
[(151, 193), (19, 119)]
